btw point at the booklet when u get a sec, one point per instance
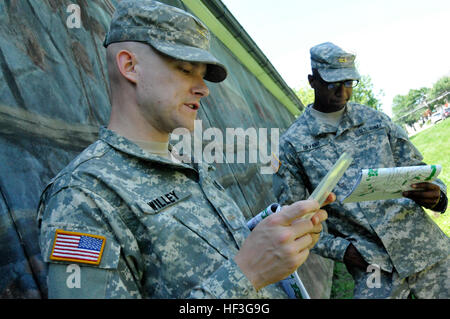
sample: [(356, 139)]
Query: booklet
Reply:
[(389, 183)]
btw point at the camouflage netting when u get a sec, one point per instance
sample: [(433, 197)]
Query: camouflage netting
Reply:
[(54, 97)]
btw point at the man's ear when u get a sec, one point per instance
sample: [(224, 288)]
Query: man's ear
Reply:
[(126, 63)]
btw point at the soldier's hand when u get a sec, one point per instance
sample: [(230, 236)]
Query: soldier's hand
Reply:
[(315, 235), (278, 245), (352, 258), (330, 198), (424, 194)]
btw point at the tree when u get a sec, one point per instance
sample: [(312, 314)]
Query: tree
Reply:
[(408, 109), (306, 95), (439, 89), (364, 94)]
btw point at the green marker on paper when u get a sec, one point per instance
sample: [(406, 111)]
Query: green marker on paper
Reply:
[(433, 171)]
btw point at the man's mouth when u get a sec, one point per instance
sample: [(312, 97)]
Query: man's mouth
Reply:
[(339, 102), (193, 106)]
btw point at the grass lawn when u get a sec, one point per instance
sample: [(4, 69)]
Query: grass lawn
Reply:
[(434, 144)]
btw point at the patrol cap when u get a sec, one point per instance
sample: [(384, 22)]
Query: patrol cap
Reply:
[(169, 30), (333, 63)]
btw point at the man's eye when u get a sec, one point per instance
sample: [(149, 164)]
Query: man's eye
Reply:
[(184, 69)]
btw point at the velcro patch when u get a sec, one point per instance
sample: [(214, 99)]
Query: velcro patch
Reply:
[(77, 247)]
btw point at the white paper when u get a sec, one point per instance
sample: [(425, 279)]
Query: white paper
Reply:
[(389, 183)]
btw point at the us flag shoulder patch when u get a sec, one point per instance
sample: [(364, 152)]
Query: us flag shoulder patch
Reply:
[(275, 163), (77, 247)]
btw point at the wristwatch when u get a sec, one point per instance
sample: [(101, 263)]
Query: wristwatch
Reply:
[(441, 205)]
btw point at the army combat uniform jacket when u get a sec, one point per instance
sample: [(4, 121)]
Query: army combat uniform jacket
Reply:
[(391, 233), (143, 226)]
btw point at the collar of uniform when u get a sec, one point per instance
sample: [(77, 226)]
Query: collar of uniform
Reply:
[(353, 117), (124, 145), (316, 127)]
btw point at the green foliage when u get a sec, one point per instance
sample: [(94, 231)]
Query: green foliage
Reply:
[(364, 94), (306, 95), (441, 87), (343, 284), (409, 108)]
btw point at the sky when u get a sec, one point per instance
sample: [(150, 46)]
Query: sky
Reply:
[(400, 44)]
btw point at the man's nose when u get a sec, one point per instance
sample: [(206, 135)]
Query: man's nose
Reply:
[(340, 89), (200, 88)]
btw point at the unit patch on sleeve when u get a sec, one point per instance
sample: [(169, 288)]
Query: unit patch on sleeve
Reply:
[(77, 247)]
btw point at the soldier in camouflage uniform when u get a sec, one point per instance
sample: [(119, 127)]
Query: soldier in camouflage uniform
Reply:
[(126, 218), (395, 235)]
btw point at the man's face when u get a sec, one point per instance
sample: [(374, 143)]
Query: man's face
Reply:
[(169, 91), (329, 100)]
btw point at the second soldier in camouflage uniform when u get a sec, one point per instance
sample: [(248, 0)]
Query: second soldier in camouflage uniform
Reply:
[(395, 235), (126, 219)]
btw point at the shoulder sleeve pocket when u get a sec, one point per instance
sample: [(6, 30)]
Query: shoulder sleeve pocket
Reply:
[(71, 278), (86, 247)]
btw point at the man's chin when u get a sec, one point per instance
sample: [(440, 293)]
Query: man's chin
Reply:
[(181, 129), (338, 105), (189, 126)]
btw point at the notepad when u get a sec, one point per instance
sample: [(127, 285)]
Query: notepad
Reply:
[(389, 183)]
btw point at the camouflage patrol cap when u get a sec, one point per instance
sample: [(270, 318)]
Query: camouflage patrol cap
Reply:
[(333, 63), (168, 29)]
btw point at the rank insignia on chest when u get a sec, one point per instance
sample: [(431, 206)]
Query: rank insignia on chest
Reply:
[(77, 247), (167, 199)]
